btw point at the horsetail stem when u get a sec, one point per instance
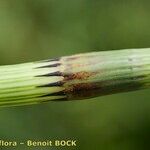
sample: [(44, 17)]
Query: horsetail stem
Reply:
[(75, 77)]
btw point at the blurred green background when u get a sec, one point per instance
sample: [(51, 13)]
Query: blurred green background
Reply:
[(32, 30)]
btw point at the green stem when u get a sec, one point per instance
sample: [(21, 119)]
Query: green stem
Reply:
[(75, 77)]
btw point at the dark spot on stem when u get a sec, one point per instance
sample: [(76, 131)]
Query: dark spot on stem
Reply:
[(130, 59)]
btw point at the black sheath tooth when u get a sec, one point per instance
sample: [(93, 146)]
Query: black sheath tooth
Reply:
[(50, 66), (49, 60), (61, 93), (52, 84), (57, 73)]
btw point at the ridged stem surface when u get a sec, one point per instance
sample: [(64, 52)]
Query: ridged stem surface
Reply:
[(75, 77)]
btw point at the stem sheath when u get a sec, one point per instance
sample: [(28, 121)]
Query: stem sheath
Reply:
[(75, 77)]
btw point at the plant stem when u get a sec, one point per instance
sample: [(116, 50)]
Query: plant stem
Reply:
[(75, 77)]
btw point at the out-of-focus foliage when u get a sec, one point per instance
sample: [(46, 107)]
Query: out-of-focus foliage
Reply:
[(39, 29)]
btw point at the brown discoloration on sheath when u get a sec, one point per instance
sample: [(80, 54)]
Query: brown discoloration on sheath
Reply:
[(78, 76), (81, 90), (80, 86), (92, 89)]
